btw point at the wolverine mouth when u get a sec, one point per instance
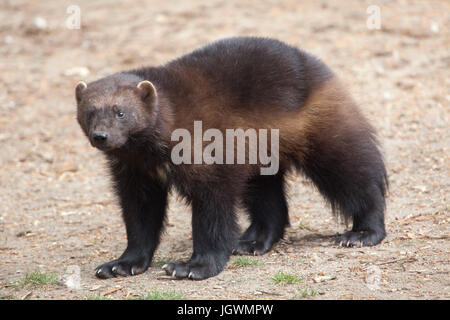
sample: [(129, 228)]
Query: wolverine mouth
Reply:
[(103, 142), (102, 146), (107, 147)]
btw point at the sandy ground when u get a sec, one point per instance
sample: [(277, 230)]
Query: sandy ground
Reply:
[(57, 211)]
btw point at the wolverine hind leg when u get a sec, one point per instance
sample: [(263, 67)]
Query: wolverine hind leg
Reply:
[(349, 172), (266, 205), (340, 155)]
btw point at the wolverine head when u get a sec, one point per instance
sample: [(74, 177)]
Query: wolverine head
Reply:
[(113, 109)]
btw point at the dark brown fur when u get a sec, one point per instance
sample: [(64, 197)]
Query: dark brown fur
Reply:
[(233, 83)]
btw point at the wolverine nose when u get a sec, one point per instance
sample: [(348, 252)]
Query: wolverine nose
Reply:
[(99, 136)]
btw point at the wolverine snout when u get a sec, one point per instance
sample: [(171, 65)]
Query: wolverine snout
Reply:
[(99, 138)]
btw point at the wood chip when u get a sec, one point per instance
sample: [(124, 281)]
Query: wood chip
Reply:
[(94, 288), (323, 278), (27, 295), (110, 291)]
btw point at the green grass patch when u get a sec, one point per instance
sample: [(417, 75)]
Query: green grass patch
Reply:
[(285, 278), (160, 295), (242, 262), (36, 278), (161, 262), (307, 292)]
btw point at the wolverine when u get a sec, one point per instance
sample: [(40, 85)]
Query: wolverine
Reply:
[(237, 83)]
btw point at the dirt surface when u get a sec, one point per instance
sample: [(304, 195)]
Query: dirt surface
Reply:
[(57, 211)]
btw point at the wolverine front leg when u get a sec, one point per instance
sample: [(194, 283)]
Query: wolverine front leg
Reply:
[(143, 200), (214, 231)]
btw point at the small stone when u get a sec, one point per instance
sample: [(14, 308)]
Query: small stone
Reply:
[(8, 105), (77, 71), (434, 27), (8, 39), (387, 95), (323, 278), (40, 23)]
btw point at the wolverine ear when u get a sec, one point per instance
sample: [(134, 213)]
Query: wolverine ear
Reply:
[(79, 90), (148, 91)]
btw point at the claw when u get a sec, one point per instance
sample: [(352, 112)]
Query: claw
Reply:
[(190, 275), (174, 273)]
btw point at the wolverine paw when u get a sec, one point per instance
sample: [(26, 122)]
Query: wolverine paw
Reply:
[(249, 247), (121, 267), (360, 238), (195, 269)]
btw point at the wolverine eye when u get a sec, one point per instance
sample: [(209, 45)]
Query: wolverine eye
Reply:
[(120, 114)]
